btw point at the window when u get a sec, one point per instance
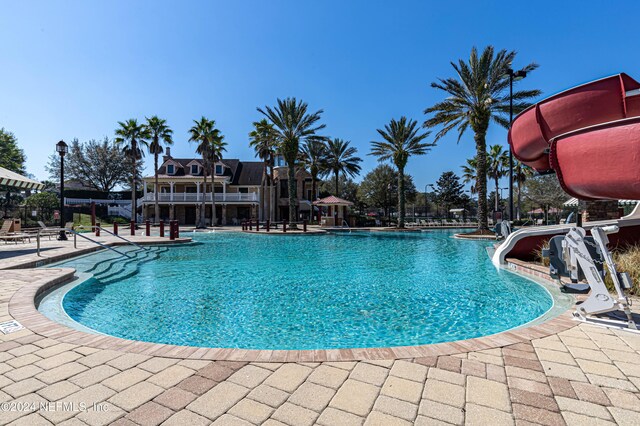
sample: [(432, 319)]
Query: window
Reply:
[(170, 169), (218, 169), (194, 169), (243, 190), (284, 188)]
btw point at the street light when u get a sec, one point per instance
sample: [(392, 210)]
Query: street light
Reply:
[(512, 75), (62, 148), (434, 189)]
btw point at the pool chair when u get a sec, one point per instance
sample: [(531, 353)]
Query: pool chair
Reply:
[(46, 231), (6, 227)]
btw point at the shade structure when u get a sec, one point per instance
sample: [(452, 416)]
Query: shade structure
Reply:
[(573, 202), (16, 180), (332, 200)]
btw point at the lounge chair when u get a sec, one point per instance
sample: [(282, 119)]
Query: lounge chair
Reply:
[(15, 237), (6, 226)]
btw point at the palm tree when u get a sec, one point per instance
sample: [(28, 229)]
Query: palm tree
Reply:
[(469, 173), (201, 133), (133, 137), (479, 95), (341, 159), (401, 140), (263, 141), (497, 168), (215, 155), (520, 175), (293, 125), (315, 159), (159, 134)]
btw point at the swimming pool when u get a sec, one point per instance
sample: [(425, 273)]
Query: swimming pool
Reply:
[(344, 290)]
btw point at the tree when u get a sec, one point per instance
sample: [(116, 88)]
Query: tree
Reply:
[(401, 140), (545, 191), (263, 141), (478, 96), (133, 137), (101, 165), (348, 188), (159, 134), (293, 125), (448, 190), (314, 154), (341, 160), (11, 156), (379, 188), (469, 173), (497, 168), (202, 134), (44, 203), (217, 147), (520, 175)]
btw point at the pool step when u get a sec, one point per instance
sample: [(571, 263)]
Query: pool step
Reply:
[(126, 268)]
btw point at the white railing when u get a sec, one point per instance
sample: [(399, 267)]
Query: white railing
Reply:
[(68, 200), (191, 197), (124, 211)]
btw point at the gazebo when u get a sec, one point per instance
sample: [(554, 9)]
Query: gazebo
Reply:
[(336, 210)]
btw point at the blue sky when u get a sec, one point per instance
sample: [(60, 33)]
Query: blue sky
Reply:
[(74, 68)]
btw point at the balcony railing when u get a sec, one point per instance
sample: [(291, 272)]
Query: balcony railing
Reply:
[(194, 198)]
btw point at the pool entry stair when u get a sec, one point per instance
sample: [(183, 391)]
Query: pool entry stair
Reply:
[(117, 267)]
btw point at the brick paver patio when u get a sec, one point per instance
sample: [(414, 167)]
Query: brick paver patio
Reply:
[(582, 375)]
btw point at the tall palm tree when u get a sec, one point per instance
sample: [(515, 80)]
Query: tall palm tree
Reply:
[(479, 95), (315, 159), (520, 175), (132, 136), (497, 168), (401, 140), (341, 159), (293, 125), (202, 133), (469, 173), (263, 140), (215, 155), (159, 133)]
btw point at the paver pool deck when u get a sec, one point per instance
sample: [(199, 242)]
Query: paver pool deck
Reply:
[(580, 375)]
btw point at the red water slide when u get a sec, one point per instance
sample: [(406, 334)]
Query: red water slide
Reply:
[(589, 135)]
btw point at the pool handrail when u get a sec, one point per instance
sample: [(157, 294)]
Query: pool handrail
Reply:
[(75, 241), (94, 227)]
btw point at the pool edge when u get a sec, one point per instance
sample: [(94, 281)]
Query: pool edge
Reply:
[(22, 306)]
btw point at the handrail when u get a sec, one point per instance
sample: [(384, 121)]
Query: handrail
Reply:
[(75, 234), (93, 227)]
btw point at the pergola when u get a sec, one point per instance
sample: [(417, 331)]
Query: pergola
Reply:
[(336, 210)]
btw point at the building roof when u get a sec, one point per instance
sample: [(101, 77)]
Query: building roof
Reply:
[(241, 173), (332, 200)]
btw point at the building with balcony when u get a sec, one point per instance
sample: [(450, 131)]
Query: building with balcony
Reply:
[(238, 187)]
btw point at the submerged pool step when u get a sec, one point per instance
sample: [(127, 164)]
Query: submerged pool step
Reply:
[(118, 265), (130, 267)]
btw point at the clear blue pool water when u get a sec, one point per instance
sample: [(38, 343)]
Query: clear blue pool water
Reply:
[(317, 292)]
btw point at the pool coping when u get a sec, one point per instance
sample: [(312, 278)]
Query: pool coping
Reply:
[(22, 307)]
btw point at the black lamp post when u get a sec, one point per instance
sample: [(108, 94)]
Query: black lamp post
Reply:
[(426, 202), (62, 148), (437, 207), (512, 75)]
